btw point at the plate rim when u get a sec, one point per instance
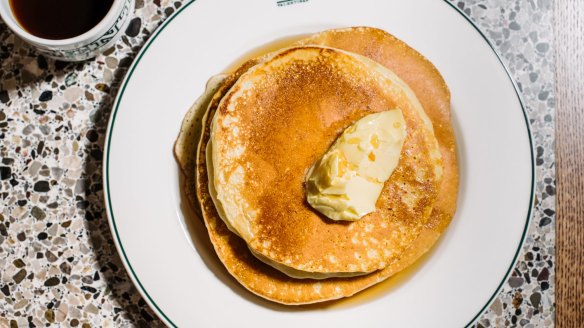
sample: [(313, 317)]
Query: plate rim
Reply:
[(111, 121)]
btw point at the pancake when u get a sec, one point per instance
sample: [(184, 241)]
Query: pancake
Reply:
[(269, 283), (276, 121), (190, 134)]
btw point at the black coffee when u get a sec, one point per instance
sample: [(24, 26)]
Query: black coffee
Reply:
[(59, 19)]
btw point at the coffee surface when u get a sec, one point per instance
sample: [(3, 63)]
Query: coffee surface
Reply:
[(59, 19)]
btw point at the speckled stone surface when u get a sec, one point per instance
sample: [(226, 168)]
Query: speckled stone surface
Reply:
[(58, 263)]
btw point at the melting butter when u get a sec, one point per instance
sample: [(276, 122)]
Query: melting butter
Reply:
[(346, 182)]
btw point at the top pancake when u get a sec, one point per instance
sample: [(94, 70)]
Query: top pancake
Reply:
[(278, 119)]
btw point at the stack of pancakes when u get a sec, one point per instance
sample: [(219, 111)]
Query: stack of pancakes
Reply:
[(246, 145)]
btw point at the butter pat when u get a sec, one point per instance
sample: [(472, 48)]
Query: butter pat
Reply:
[(346, 182)]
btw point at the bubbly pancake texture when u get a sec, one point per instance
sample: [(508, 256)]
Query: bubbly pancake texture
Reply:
[(271, 284), (277, 120)]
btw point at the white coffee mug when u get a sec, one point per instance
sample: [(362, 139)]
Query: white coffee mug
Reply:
[(87, 45)]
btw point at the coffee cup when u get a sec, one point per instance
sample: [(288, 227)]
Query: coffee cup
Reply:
[(80, 47)]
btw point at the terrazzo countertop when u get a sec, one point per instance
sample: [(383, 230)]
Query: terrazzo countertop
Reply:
[(59, 265)]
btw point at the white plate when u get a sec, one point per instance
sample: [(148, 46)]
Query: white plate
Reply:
[(166, 251)]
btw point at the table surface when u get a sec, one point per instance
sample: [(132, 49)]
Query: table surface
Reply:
[(569, 31), (60, 265)]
